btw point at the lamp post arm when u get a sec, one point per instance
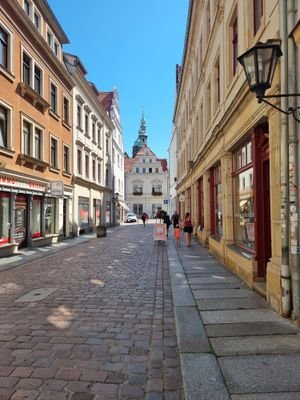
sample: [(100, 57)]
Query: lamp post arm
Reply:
[(277, 108), (281, 95), (291, 110)]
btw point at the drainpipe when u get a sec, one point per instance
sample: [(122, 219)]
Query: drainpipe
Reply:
[(285, 268), (293, 170)]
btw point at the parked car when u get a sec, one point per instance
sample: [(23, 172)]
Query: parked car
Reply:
[(131, 217)]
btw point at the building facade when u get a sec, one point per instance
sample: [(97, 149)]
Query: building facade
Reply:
[(229, 146), (92, 149), (110, 102), (35, 127)]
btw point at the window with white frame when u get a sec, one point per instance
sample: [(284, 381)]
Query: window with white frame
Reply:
[(94, 131), (4, 48), (32, 73), (27, 7), (3, 126), (94, 169), (79, 112), (86, 124), (27, 137), (54, 152), (79, 162), (53, 43), (99, 136), (53, 97), (37, 20), (66, 157), (87, 166), (99, 172), (66, 110), (38, 140)]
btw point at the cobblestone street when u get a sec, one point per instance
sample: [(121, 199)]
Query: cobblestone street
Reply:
[(103, 329)]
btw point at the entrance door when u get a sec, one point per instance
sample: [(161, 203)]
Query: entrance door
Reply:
[(21, 221), (65, 218), (262, 199)]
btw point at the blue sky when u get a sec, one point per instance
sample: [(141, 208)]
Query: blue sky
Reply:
[(133, 45)]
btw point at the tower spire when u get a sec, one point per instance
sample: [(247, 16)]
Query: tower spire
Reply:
[(142, 136)]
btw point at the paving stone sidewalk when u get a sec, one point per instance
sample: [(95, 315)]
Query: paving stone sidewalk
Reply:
[(94, 321), (232, 345)]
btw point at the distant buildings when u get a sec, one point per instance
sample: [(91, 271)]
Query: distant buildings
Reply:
[(146, 177)]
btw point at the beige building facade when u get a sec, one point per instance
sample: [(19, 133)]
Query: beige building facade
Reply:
[(229, 146)]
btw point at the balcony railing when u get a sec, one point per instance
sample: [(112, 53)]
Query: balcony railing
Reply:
[(137, 193), (156, 193)]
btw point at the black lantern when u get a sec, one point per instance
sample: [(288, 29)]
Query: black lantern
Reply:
[(259, 64)]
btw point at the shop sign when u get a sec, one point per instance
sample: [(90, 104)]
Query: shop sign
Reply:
[(57, 188), (12, 181)]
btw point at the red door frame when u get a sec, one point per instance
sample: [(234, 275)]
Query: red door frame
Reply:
[(261, 198)]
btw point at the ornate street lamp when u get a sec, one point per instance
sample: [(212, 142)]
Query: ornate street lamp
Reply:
[(259, 64)]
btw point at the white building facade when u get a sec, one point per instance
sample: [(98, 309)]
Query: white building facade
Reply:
[(172, 172), (110, 102), (146, 182), (92, 149)]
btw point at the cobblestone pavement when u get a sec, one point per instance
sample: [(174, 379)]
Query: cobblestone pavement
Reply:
[(103, 330)]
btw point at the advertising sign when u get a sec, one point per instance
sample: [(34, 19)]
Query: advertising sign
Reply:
[(159, 232)]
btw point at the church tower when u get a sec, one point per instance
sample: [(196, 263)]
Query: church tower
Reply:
[(142, 137)]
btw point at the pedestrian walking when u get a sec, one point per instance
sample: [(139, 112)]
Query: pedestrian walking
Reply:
[(188, 229), (177, 234), (175, 219), (167, 221), (144, 218)]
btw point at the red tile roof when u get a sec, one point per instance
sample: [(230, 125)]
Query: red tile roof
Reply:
[(106, 100)]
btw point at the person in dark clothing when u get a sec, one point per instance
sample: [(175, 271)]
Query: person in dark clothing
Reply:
[(167, 221), (175, 219)]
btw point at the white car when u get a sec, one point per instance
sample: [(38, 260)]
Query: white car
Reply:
[(131, 217)]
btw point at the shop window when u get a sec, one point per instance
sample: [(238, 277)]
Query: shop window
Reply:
[(83, 212), (4, 218), (36, 216), (97, 212), (216, 200), (243, 197), (50, 212)]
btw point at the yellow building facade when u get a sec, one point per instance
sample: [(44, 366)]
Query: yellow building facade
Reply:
[(228, 145)]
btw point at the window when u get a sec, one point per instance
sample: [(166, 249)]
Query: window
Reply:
[(53, 97), (79, 162), (107, 149), (156, 190), (37, 79), (150, 160), (234, 45), (99, 172), (137, 189), (99, 137), (66, 110), (26, 69), (66, 159), (156, 170), (3, 127), (216, 200), (258, 11), (4, 217), (37, 20), (144, 170), (36, 216), (243, 197), (49, 38), (78, 116), (137, 170), (94, 169), (38, 143), (94, 132), (87, 166), (54, 153), (26, 137), (56, 49), (138, 209), (3, 48), (216, 87), (50, 215), (144, 160), (27, 7), (86, 124), (150, 170)]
